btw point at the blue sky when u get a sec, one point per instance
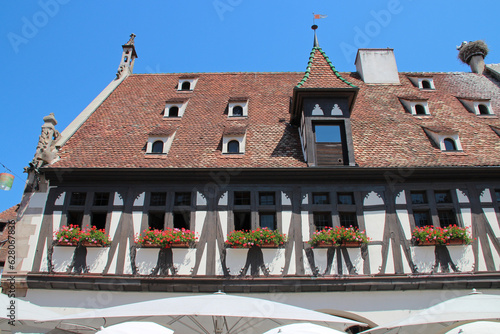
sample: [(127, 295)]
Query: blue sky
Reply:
[(57, 55)]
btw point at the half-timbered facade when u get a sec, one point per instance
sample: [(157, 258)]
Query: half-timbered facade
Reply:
[(376, 149)]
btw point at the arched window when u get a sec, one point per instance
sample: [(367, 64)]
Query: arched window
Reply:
[(126, 59), (157, 147), (238, 111), (449, 145), (186, 85), (483, 109), (419, 109), (426, 84), (173, 111), (233, 146)]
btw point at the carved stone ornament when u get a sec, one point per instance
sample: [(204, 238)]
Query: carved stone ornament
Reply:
[(336, 111), (46, 152), (317, 111)]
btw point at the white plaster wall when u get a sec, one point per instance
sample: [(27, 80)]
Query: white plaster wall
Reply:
[(491, 216), (32, 242), (377, 66), (184, 260), (496, 256), (304, 215), (56, 221), (44, 266), (406, 264), (223, 199), (320, 259), (405, 222), (117, 200), (486, 196), (236, 259), (292, 268), (307, 266), (218, 263), (389, 268), (466, 217), (200, 221), (146, 259), (286, 220), (115, 219), (139, 201), (127, 266), (112, 267), (423, 258), (401, 198), (60, 199), (305, 200), (62, 257), (375, 252), (375, 225), (462, 198), (223, 222), (97, 257), (462, 256), (202, 269), (373, 199), (356, 259), (38, 200), (284, 199), (274, 260), (200, 200), (481, 266)]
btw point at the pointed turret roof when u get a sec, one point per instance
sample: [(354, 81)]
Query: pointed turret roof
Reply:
[(320, 72)]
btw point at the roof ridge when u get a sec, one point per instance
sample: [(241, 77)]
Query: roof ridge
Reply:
[(309, 65)]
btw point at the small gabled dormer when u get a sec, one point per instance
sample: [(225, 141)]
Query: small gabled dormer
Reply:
[(415, 105), (233, 140), (237, 107), (321, 108), (478, 106), (422, 82), (187, 83), (447, 140), (160, 140), (174, 108)]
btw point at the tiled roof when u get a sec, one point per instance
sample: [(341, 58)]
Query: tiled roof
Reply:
[(5, 217), (9, 214), (384, 133)]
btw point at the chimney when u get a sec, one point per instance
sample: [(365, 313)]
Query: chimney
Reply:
[(377, 66), (472, 54)]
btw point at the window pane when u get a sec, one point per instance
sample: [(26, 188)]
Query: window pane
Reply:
[(497, 193), (181, 219), (449, 145), (268, 220), (157, 147), (101, 199), (348, 219), (98, 219), (241, 198), (266, 198), (156, 220), (173, 111), (238, 111), (158, 199), (327, 133), (422, 218), (182, 198), (233, 147), (346, 198), (322, 220), (442, 197), (321, 198), (446, 218), (75, 218), (418, 197), (78, 198), (242, 221)]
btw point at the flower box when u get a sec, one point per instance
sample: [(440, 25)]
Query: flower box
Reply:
[(73, 236), (430, 235), (261, 237), (168, 238), (338, 236)]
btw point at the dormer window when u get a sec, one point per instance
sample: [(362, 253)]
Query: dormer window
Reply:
[(423, 83), (238, 107), (480, 107), (416, 107), (160, 140), (175, 108), (233, 140), (447, 140), (186, 84)]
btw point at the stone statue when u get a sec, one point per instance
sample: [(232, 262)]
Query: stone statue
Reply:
[(46, 151)]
